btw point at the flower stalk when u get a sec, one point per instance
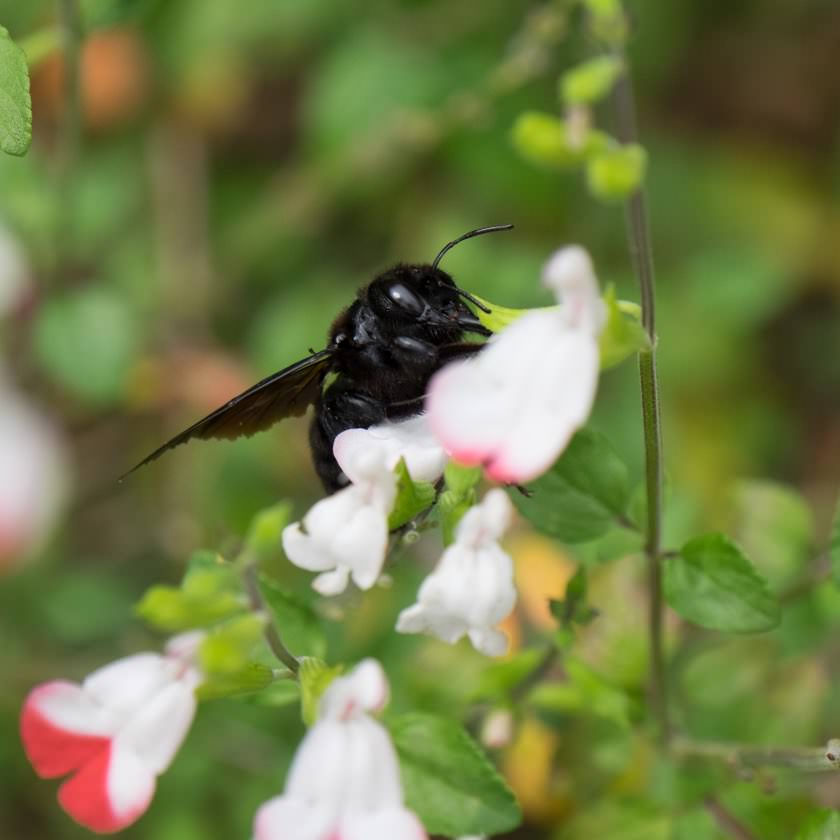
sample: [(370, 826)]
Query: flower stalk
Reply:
[(641, 253)]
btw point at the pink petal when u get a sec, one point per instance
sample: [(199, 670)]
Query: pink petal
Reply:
[(61, 729), (109, 793)]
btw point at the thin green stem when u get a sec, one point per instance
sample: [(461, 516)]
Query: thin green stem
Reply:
[(641, 252), (748, 757), (272, 635)]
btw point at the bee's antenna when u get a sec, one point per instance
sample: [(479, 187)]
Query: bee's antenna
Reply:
[(469, 235), (474, 300)]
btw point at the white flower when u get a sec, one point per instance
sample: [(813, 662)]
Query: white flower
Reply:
[(411, 439), (344, 782), (471, 590), (32, 477), (115, 733), (514, 407), (346, 534)]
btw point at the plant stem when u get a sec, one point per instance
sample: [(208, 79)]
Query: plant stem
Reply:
[(272, 636), (745, 756), (70, 25), (641, 253), (727, 821)]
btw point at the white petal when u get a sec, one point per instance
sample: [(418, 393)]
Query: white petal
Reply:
[(160, 726), (131, 784), (291, 818), (389, 824), (364, 689), (488, 641), (332, 583), (570, 275), (304, 551), (67, 706), (361, 544), (184, 647)]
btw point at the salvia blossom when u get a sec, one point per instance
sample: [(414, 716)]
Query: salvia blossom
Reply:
[(514, 406), (114, 734), (344, 782), (472, 588), (32, 477), (411, 439), (346, 534)]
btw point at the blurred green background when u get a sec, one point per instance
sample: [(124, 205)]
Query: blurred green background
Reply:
[(243, 167)]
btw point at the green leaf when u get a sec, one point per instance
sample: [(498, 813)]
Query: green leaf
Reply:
[(458, 497), (821, 825), (449, 782), (581, 496), (413, 497), (315, 677), (623, 334), (834, 546), (253, 677), (591, 81), (714, 585), (229, 647), (607, 21), (15, 102), (265, 532), (616, 173), (460, 479), (209, 593), (573, 609), (299, 627), (545, 140)]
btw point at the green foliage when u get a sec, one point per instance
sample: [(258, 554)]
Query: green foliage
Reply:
[(15, 102), (299, 627), (498, 679), (615, 173), (591, 81), (87, 340), (573, 609), (229, 647), (714, 585), (583, 495), (821, 825), (623, 334), (834, 545), (314, 677), (247, 680), (209, 592), (413, 497), (448, 780), (457, 498), (547, 141), (263, 539)]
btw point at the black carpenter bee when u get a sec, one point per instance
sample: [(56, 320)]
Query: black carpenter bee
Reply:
[(383, 349)]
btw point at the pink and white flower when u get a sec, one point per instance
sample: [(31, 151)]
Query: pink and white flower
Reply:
[(411, 439), (346, 534), (114, 734), (514, 406), (344, 782), (472, 588), (32, 477)]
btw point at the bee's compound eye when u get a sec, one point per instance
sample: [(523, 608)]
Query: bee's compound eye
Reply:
[(403, 297)]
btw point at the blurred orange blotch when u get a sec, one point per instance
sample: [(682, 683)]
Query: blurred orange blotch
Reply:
[(529, 767), (542, 571), (115, 78)]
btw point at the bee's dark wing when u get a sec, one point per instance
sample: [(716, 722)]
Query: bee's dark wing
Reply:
[(286, 393)]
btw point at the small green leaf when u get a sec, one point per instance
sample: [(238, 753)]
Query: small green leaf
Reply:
[(591, 81), (607, 21), (573, 609), (821, 825), (544, 140), (616, 173), (623, 334), (299, 627), (315, 677), (834, 546), (714, 585), (229, 647), (15, 102), (460, 479), (413, 497), (449, 782), (265, 532), (253, 677), (582, 495)]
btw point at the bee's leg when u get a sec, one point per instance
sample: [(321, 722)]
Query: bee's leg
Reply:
[(338, 409)]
